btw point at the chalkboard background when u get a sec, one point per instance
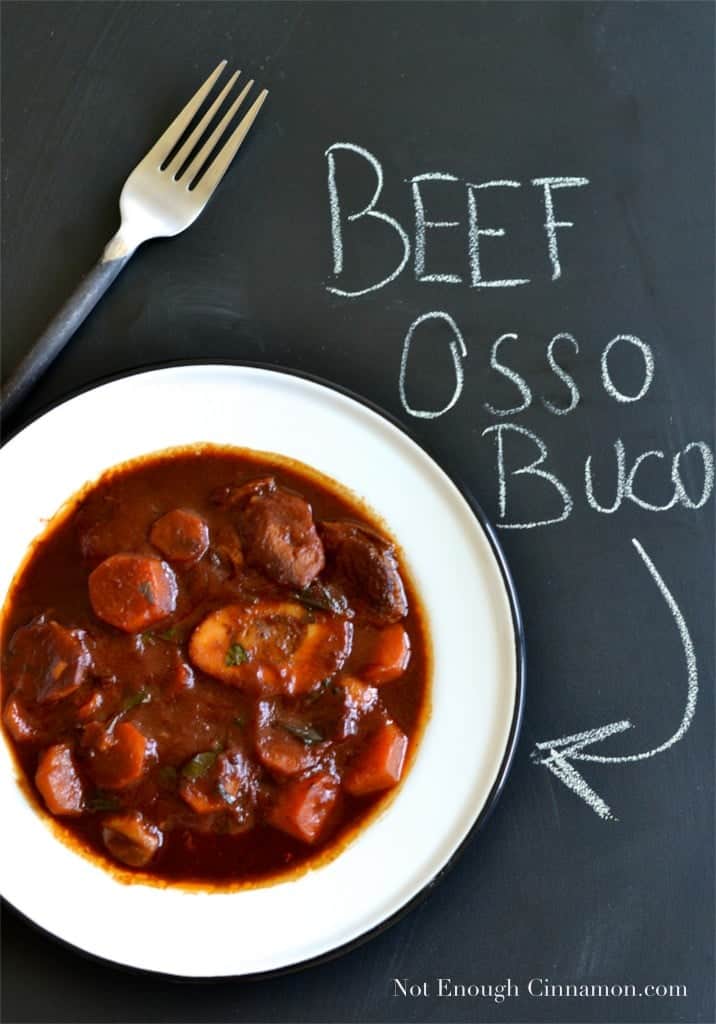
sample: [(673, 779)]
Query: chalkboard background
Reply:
[(619, 94)]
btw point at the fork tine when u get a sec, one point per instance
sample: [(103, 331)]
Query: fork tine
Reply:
[(220, 165), (164, 145), (186, 150), (207, 149)]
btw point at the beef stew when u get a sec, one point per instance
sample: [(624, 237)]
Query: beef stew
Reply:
[(215, 667)]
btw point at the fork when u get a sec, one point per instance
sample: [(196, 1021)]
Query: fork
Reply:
[(163, 195)]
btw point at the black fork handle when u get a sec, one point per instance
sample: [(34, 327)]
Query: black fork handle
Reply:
[(60, 329)]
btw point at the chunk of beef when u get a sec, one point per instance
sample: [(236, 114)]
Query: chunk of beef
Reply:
[(235, 494), (280, 538), (366, 567)]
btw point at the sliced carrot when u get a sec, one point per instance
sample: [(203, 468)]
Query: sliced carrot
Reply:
[(122, 762), (304, 807), (380, 763), (19, 722), (132, 592), (131, 839), (59, 782), (181, 536), (389, 656)]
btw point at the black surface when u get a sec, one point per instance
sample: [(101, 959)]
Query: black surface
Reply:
[(620, 94)]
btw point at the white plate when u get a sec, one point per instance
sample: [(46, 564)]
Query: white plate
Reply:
[(476, 697)]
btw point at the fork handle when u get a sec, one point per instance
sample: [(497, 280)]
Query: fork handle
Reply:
[(64, 324)]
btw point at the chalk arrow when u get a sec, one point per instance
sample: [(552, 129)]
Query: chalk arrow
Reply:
[(558, 755)]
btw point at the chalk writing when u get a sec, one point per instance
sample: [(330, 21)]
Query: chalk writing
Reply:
[(339, 219), (620, 486), (550, 224), (565, 377), (473, 238), (626, 487), (626, 482), (561, 752), (708, 468), (421, 226), (531, 469), (519, 382), (458, 351), (368, 211), (609, 385)]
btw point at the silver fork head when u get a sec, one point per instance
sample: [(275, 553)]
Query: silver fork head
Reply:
[(164, 196)]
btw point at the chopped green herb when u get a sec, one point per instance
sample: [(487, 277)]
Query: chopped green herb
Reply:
[(306, 733), (199, 764), (319, 597), (103, 802), (240, 721), (134, 699), (145, 589), (235, 655), (317, 692), (148, 637), (172, 635)]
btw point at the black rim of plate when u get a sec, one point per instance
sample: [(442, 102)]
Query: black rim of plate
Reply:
[(519, 648)]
